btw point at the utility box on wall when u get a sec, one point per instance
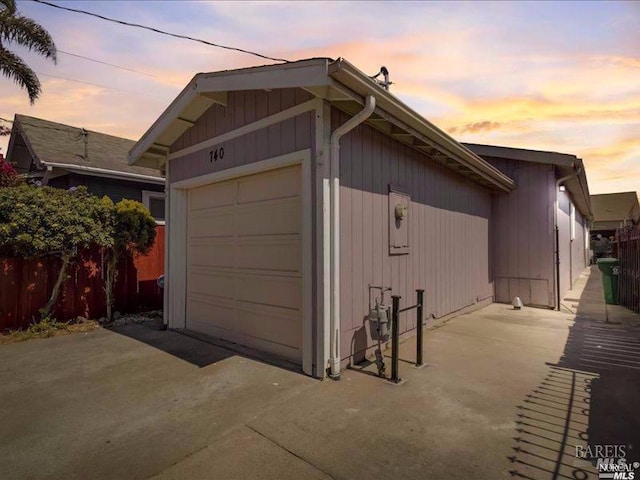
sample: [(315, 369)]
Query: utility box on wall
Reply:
[(399, 211)]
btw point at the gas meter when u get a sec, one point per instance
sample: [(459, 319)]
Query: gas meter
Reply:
[(380, 317)]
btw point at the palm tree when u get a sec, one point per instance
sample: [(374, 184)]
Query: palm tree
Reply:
[(14, 28)]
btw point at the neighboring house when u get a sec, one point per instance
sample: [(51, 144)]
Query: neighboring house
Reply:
[(63, 156), (276, 233), (614, 210), (540, 232)]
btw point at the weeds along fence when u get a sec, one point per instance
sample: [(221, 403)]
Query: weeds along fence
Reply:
[(628, 251), (25, 286)]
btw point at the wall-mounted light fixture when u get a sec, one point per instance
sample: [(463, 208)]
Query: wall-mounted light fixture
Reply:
[(401, 211), (562, 188)]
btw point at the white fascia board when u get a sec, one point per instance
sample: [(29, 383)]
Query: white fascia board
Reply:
[(312, 73), (345, 73), (250, 127), (103, 172), (205, 89), (172, 112)]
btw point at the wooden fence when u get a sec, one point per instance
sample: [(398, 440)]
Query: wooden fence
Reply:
[(628, 251), (25, 286)]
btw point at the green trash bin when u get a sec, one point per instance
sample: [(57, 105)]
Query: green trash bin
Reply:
[(610, 268)]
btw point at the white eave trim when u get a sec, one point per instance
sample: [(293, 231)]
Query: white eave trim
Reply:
[(103, 172), (210, 88), (351, 78), (311, 73)]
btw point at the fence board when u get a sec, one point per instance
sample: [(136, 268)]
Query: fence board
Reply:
[(25, 285)]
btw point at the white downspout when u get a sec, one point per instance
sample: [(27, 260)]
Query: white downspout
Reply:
[(334, 357), (556, 259)]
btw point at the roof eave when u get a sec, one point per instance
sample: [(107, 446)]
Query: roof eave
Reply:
[(348, 75), (104, 172), (322, 77), (578, 187), (525, 155), (206, 89)]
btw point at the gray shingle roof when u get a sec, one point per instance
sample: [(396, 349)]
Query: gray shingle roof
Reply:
[(58, 143)]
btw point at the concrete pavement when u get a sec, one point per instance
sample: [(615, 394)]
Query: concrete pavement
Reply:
[(507, 394)]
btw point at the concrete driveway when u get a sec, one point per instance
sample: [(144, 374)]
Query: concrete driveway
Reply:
[(506, 395)]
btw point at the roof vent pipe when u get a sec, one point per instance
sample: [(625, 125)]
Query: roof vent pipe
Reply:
[(84, 134), (334, 152), (385, 74)]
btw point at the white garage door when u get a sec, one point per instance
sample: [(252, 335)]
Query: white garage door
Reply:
[(244, 261)]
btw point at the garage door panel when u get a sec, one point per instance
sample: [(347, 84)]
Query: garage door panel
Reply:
[(268, 186), (244, 281), (215, 195), (269, 253), (293, 354), (205, 312), (207, 283), (270, 290), (275, 217), (276, 325), (212, 253), (212, 223)]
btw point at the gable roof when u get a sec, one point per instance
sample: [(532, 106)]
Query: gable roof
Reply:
[(566, 164), (64, 146), (612, 209), (335, 81)]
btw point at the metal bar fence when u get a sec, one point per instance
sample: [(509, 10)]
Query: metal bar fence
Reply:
[(628, 250)]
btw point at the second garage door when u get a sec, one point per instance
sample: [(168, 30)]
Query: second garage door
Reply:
[(244, 261)]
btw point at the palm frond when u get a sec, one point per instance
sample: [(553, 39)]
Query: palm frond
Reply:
[(9, 7), (13, 67), (27, 33)]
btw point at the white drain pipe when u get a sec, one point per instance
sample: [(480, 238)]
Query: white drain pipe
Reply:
[(334, 357)]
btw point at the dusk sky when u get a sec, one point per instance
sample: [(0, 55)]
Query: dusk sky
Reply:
[(552, 76)]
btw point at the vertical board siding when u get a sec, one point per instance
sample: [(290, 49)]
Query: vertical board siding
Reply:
[(252, 147), (578, 253), (243, 108), (522, 234), (564, 242), (449, 234), (572, 252)]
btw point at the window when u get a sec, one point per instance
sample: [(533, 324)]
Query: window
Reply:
[(154, 201)]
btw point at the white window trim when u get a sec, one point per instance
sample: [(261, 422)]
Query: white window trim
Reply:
[(147, 195), (572, 215)]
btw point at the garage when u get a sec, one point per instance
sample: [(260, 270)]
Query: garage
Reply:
[(284, 184), (244, 261)]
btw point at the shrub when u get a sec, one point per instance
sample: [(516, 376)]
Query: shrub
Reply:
[(134, 232), (41, 221), (8, 175)]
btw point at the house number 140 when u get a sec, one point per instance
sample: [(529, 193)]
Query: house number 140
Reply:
[(216, 154)]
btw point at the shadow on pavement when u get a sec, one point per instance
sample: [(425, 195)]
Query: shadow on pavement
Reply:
[(199, 350), (589, 398), (186, 348)]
